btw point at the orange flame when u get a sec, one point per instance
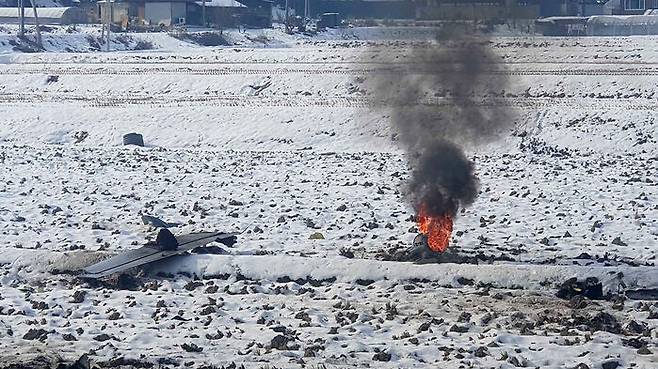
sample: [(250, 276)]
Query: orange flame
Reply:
[(436, 228)]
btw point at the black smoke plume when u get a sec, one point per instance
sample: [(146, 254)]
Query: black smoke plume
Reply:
[(442, 97)]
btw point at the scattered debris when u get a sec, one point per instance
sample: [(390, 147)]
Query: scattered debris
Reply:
[(157, 222), (642, 294), (590, 288), (382, 356), (316, 236), (191, 347), (36, 334)]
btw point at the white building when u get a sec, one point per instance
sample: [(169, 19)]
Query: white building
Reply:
[(165, 13)]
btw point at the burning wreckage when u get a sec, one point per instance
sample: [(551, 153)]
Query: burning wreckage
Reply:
[(433, 239), (435, 136), (443, 178)]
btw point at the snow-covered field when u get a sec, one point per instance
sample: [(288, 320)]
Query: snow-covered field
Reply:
[(283, 142)]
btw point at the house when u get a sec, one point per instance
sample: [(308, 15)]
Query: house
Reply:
[(594, 7), (165, 13), (155, 13), (586, 8), (168, 13), (624, 25), (258, 14), (631, 7), (417, 9), (476, 10), (89, 7), (123, 13), (231, 13), (218, 13), (568, 8), (358, 9), (616, 18)]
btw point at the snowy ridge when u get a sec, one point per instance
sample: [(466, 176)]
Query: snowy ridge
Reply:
[(351, 270), (29, 263)]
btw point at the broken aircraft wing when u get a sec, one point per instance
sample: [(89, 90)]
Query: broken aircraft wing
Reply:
[(152, 252)]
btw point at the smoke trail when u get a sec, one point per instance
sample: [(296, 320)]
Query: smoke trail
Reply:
[(436, 104)]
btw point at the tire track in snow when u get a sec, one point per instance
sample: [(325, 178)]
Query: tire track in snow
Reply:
[(647, 71), (311, 101)]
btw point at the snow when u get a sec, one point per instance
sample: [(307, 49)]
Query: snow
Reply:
[(502, 276), (285, 128)]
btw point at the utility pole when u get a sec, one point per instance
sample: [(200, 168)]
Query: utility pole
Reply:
[(287, 18), (108, 22), (102, 19), (36, 23), (307, 9), (203, 13), (21, 12)]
